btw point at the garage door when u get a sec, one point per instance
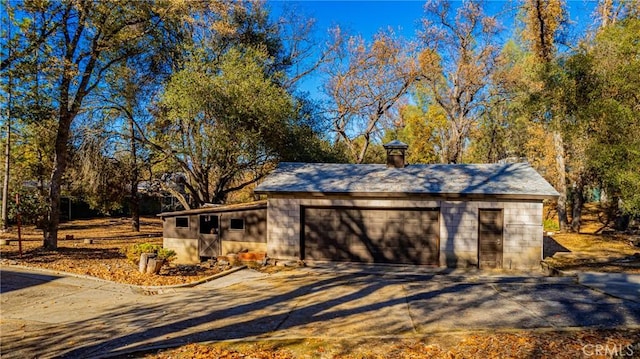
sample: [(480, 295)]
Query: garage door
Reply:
[(409, 236)]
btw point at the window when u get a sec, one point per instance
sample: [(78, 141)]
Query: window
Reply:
[(208, 224), (182, 222), (237, 223)]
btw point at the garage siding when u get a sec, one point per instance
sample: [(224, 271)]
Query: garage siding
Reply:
[(458, 234), (372, 235)]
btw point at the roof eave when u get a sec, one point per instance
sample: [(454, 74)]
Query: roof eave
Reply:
[(219, 209), (510, 196)]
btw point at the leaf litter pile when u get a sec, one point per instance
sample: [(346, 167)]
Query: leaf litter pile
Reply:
[(104, 258), (521, 344)]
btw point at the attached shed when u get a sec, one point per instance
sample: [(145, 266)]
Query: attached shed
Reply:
[(216, 230), (486, 215)]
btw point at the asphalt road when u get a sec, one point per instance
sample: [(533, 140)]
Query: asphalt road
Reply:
[(45, 315)]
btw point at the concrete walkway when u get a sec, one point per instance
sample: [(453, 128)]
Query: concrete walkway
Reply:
[(45, 315), (619, 285)]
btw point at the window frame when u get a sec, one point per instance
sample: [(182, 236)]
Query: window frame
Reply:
[(209, 217), (181, 218), (232, 228)]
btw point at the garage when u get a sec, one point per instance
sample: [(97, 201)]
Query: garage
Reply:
[(454, 215), (371, 235)]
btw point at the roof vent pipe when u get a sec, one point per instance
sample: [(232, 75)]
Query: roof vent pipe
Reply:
[(395, 153)]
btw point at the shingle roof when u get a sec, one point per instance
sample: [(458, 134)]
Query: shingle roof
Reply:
[(517, 180)]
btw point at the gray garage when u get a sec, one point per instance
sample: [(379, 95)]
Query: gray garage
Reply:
[(487, 215)]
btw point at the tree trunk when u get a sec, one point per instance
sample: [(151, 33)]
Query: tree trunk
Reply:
[(135, 207), (7, 153), (59, 166), (578, 203), (7, 167), (134, 202), (558, 144), (620, 220)]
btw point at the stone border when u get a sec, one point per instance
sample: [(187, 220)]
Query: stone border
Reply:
[(143, 288), (552, 271)]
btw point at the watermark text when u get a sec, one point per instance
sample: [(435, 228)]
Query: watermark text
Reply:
[(608, 350)]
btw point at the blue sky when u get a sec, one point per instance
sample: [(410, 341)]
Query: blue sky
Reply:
[(365, 17)]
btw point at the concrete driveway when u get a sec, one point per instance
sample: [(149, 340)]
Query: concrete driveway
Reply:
[(48, 315)]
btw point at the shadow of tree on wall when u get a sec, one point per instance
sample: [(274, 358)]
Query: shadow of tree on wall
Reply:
[(371, 235), (350, 237), (329, 305)]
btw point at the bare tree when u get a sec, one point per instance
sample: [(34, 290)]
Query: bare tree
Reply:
[(457, 66), (608, 12), (366, 81)]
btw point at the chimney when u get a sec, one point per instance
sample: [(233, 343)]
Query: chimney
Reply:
[(395, 153)]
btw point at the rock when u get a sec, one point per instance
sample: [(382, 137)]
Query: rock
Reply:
[(154, 265), (271, 261), (144, 259), (222, 263), (287, 264), (635, 242), (251, 256), (5, 242), (88, 241)]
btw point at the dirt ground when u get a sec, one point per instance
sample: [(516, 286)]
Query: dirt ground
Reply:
[(516, 344), (606, 251), (104, 258)]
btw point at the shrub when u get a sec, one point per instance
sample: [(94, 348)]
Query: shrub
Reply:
[(550, 225), (133, 252), (167, 254)]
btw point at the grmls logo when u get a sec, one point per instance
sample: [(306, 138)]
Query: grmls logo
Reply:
[(608, 350)]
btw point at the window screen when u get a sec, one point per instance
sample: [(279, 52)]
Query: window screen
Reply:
[(237, 223), (208, 224), (182, 222)]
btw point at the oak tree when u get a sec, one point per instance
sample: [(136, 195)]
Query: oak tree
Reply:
[(365, 83)]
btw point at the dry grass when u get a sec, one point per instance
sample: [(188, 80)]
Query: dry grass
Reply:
[(96, 228), (517, 344), (591, 251), (103, 258)]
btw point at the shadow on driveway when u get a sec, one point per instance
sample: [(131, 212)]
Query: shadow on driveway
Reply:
[(310, 304), (15, 280)]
